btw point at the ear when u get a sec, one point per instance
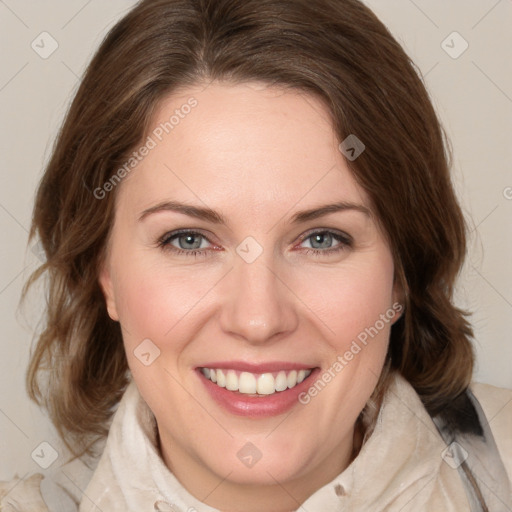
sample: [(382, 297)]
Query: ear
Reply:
[(398, 297), (105, 281)]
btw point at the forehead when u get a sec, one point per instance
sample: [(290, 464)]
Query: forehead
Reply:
[(261, 147)]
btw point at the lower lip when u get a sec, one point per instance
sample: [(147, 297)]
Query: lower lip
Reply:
[(257, 407)]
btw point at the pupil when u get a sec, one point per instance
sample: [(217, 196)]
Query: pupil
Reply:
[(189, 239)]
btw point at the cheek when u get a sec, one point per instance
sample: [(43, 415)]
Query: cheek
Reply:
[(352, 298), (153, 300), (357, 307), (141, 302)]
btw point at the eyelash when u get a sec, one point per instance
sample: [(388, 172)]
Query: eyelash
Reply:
[(345, 241)]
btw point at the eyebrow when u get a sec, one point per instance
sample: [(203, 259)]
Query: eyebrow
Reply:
[(214, 217)]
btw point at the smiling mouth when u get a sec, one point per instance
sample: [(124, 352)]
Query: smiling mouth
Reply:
[(253, 384)]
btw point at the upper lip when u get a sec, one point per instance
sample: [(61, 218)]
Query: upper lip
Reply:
[(266, 367)]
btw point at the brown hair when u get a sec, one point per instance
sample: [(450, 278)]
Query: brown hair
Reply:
[(335, 49)]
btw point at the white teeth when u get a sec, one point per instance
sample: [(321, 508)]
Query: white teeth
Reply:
[(221, 378), (292, 379), (247, 383), (250, 384), (266, 384), (231, 381), (281, 381)]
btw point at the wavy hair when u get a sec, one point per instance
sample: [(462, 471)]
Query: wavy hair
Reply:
[(335, 49)]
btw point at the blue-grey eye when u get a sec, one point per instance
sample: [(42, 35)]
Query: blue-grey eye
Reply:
[(321, 240), (188, 240)]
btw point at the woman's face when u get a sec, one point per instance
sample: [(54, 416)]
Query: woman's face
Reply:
[(271, 284)]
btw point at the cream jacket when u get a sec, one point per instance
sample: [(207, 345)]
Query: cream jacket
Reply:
[(405, 465)]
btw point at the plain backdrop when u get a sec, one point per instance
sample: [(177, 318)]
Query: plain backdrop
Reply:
[(462, 47)]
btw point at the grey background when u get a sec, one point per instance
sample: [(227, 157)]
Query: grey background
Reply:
[(472, 93)]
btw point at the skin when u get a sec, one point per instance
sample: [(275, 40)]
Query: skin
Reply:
[(257, 155)]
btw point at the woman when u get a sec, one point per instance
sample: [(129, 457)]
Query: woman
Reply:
[(252, 242)]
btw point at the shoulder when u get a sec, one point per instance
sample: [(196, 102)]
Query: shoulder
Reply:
[(38, 493), (496, 403), (55, 490), (22, 494)]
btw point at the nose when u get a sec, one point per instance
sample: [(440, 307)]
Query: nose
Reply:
[(258, 306)]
